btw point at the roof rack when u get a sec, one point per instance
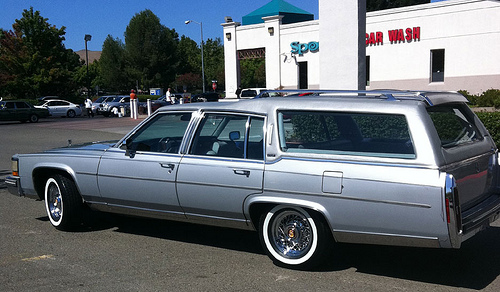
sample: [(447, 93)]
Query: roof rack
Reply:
[(429, 97)]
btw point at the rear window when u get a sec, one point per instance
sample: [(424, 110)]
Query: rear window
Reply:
[(364, 134), (454, 124)]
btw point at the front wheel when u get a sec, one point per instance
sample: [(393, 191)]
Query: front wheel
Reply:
[(62, 202), (33, 118), (293, 238), (71, 114)]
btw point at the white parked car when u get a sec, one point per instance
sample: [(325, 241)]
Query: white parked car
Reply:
[(61, 108)]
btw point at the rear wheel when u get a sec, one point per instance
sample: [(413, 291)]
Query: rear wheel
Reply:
[(71, 114), (294, 238), (33, 118), (62, 202)]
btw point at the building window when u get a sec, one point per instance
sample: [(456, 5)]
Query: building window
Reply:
[(437, 65), (303, 83), (367, 70)]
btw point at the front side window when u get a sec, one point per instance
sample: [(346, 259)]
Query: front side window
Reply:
[(365, 134), (20, 104), (229, 135), (454, 124), (163, 133)]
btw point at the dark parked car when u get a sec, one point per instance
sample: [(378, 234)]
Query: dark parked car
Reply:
[(206, 96), (15, 110)]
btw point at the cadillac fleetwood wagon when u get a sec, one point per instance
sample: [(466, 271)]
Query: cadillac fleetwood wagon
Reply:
[(305, 170)]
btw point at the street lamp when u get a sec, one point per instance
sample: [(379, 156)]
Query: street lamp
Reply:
[(202, 63), (87, 38)]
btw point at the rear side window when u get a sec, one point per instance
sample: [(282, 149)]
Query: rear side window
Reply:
[(364, 134), (228, 135), (454, 124)]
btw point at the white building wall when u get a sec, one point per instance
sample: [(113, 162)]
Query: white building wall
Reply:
[(342, 40), (304, 32), (468, 31)]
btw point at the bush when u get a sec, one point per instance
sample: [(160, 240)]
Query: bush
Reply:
[(490, 97), (491, 121)]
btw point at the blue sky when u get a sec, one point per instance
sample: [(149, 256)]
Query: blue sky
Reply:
[(102, 17)]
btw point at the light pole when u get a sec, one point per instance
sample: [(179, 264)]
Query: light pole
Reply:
[(202, 63), (87, 38)]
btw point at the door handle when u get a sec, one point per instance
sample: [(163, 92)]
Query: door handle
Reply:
[(242, 172), (170, 166)]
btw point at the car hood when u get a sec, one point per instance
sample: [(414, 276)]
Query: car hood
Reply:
[(90, 147)]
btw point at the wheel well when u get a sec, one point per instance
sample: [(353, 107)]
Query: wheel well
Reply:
[(257, 209), (40, 176)]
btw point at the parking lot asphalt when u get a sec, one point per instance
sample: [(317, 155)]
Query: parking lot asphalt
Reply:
[(50, 133), (129, 254)]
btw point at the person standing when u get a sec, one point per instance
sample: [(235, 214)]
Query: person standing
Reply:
[(238, 92), (169, 97), (133, 104), (88, 107)]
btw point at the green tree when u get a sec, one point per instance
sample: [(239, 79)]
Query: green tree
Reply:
[(34, 61), (150, 51), (94, 75), (112, 65), (189, 56), (253, 72), (213, 51)]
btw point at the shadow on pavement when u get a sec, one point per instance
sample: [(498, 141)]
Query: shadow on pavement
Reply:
[(474, 266)]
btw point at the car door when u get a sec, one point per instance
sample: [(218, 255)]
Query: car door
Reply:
[(22, 110), (223, 166), (53, 108), (141, 173)]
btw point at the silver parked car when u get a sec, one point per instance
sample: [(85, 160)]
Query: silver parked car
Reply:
[(305, 171), (61, 108), (120, 101)]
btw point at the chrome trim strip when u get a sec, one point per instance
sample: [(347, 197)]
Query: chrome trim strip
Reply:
[(288, 192), (171, 215), (385, 164), (137, 178), (385, 239), (455, 229), (219, 186), (219, 158)]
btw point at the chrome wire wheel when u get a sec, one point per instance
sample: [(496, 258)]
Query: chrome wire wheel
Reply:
[(290, 235), (53, 201)]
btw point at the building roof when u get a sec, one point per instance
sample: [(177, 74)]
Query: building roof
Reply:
[(291, 13)]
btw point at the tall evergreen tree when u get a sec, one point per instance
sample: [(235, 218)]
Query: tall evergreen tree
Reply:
[(112, 62), (151, 50)]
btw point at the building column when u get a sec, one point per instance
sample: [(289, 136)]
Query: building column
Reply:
[(342, 44), (231, 63), (272, 26)]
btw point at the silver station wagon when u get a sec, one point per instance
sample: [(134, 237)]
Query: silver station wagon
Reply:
[(305, 170)]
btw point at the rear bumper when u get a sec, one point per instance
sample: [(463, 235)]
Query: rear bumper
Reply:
[(480, 216)]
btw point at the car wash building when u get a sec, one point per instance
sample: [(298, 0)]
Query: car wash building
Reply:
[(447, 45)]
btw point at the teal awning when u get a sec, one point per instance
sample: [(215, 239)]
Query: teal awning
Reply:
[(291, 14)]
